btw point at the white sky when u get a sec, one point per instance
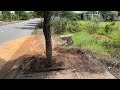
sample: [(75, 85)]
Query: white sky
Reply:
[(78, 11)]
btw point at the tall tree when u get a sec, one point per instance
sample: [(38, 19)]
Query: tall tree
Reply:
[(109, 15), (68, 14), (39, 13), (47, 34)]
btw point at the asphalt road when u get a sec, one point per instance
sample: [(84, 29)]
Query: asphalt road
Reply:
[(17, 30)]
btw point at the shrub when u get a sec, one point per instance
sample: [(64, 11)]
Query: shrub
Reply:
[(113, 47), (109, 15), (114, 43), (57, 26), (14, 16), (65, 25), (101, 31), (110, 27), (6, 16), (93, 26), (25, 16)]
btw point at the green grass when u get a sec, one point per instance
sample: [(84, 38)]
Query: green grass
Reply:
[(91, 42), (35, 32), (87, 41)]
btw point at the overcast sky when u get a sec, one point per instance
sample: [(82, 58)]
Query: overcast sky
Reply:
[(78, 11)]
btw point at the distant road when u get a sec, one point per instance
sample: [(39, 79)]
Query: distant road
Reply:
[(17, 30)]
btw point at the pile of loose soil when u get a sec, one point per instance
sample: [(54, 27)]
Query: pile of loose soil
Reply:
[(75, 58)]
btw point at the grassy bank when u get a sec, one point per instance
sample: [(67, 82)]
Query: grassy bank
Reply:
[(104, 41), (35, 32), (87, 41)]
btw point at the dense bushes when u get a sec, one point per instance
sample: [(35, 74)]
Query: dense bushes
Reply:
[(6, 15), (108, 29), (93, 26), (26, 16), (92, 36), (109, 15), (65, 25), (18, 15), (114, 42)]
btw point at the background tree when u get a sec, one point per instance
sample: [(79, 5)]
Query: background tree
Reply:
[(109, 15), (68, 14), (39, 14), (22, 15), (6, 15)]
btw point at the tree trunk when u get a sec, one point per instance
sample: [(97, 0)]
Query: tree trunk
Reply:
[(47, 34)]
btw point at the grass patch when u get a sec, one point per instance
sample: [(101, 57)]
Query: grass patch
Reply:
[(35, 32), (90, 42), (104, 41)]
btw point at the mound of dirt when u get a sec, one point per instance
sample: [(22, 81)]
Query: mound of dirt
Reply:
[(70, 58), (75, 58), (72, 50)]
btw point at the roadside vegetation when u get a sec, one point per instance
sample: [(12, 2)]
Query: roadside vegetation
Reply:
[(102, 38), (17, 15)]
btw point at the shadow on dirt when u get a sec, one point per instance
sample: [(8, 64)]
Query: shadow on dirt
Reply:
[(33, 23), (27, 28), (25, 66), (80, 60), (2, 62)]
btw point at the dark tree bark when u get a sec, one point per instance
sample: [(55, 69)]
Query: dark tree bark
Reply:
[(47, 34)]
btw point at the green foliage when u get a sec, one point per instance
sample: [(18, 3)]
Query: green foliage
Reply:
[(6, 15), (114, 41), (87, 41), (93, 26), (109, 15), (69, 15), (36, 31), (65, 25), (38, 14), (25, 16), (108, 29), (14, 16), (18, 15), (101, 31)]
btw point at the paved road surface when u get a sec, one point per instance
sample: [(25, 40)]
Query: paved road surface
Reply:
[(17, 30)]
